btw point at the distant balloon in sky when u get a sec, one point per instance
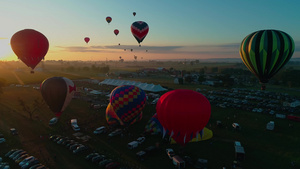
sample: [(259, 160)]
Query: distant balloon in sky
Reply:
[(134, 13), (58, 93), (87, 39), (139, 30), (30, 46), (265, 52), (116, 31), (108, 19)]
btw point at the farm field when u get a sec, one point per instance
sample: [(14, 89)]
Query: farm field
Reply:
[(264, 149)]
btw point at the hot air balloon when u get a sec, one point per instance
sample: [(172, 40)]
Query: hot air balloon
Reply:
[(111, 116), (30, 46), (134, 13), (58, 93), (87, 39), (139, 30), (265, 52), (116, 31), (128, 102), (108, 19), (183, 113)]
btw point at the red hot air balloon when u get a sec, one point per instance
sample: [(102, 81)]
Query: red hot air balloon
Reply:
[(139, 30), (58, 93), (108, 19), (183, 113), (30, 46), (134, 13), (87, 39), (116, 31)]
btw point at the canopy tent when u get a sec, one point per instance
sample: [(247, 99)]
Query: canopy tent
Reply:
[(144, 86)]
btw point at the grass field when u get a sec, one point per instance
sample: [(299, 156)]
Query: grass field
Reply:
[(264, 149)]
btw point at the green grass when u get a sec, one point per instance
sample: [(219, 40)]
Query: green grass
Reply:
[(264, 149)]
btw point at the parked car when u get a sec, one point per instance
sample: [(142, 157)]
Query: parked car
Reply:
[(36, 166), (53, 121), (14, 131), (74, 125), (79, 149), (10, 152), (74, 146), (112, 165), (90, 156), (100, 130), (26, 160), (2, 140), (114, 133), (98, 158), (15, 153), (30, 163), (141, 140), (19, 155), (105, 162), (21, 158), (170, 152)]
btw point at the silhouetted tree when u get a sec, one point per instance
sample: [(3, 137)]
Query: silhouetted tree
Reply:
[(30, 109)]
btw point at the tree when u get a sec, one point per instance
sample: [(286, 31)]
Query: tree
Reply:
[(30, 109)]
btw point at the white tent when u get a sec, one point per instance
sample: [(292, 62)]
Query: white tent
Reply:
[(144, 86)]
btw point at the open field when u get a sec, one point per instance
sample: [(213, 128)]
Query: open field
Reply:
[(264, 149)]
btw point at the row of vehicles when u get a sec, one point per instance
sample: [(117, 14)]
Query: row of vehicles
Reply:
[(24, 160), (102, 161)]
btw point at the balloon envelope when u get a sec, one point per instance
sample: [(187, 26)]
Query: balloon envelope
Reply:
[(184, 113), (30, 46), (87, 39), (58, 93), (134, 13), (265, 52), (108, 19), (128, 102), (139, 30), (116, 31), (111, 116)]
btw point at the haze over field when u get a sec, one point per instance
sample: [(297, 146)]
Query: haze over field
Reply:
[(177, 30)]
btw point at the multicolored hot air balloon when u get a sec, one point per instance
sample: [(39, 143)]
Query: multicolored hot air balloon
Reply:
[(183, 113), (58, 93), (30, 46), (139, 30), (108, 19), (111, 116), (128, 102), (87, 39), (265, 52), (134, 13), (116, 31)]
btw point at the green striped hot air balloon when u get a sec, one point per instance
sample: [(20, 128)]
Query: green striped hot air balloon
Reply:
[(265, 52)]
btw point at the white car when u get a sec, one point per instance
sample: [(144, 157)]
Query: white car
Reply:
[(53, 121), (114, 133), (141, 140), (2, 140), (100, 130)]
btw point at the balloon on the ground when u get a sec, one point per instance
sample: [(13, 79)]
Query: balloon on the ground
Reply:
[(153, 126), (128, 102), (58, 93), (183, 113), (265, 52), (139, 30), (111, 116), (30, 46), (204, 134)]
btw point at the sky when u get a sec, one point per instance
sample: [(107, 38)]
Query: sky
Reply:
[(191, 29)]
